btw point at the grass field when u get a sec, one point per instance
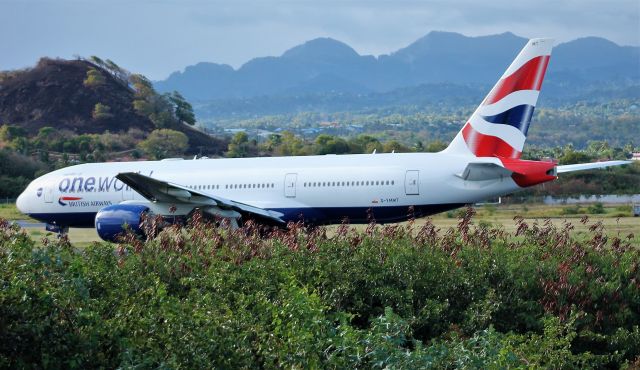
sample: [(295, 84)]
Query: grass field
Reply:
[(616, 219), (11, 213), (615, 223)]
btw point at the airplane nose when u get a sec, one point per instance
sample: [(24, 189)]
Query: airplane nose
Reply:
[(21, 203)]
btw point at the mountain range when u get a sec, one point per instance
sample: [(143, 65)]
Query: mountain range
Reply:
[(328, 66)]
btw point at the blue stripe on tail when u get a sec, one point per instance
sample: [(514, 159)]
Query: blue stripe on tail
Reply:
[(518, 117)]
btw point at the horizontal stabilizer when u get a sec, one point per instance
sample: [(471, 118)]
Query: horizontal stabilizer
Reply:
[(589, 166), (484, 171)]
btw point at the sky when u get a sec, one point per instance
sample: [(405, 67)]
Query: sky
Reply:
[(157, 37)]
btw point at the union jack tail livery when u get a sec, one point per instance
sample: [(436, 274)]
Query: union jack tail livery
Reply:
[(498, 127)]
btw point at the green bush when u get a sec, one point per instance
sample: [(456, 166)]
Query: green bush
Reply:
[(572, 210), (596, 208), (204, 296)]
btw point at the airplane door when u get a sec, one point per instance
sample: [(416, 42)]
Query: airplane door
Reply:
[(48, 194), (412, 182), (290, 185)]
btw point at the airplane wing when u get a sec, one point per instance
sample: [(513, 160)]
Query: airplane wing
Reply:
[(589, 166), (162, 191)]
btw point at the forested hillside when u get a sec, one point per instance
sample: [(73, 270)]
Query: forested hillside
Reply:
[(92, 96)]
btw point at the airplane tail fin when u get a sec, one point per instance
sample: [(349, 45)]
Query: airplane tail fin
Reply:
[(498, 127)]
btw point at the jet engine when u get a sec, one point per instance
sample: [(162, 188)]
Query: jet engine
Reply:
[(111, 220)]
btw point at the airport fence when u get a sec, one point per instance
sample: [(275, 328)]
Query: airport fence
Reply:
[(8, 200)]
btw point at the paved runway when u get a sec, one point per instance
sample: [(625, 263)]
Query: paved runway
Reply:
[(25, 224)]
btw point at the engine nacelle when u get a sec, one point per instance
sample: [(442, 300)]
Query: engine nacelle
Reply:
[(111, 220)]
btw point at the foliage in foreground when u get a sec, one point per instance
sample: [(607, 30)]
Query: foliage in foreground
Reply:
[(201, 297)]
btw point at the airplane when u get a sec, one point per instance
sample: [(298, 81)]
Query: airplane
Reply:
[(482, 162)]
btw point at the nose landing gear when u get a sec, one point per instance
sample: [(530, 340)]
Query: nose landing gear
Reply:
[(60, 230)]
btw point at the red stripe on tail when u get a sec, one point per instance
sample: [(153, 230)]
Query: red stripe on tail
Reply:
[(486, 145), (527, 77)]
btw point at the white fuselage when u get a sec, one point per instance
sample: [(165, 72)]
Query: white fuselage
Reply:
[(321, 189)]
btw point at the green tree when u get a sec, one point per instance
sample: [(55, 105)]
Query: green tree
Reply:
[(238, 146), (291, 145), (47, 138), (435, 146), (572, 156), (162, 119), (96, 60), (9, 133), (118, 72), (395, 146), (142, 86), (94, 78), (101, 111), (327, 144), (163, 143), (143, 107), (365, 144), (182, 109), (273, 141)]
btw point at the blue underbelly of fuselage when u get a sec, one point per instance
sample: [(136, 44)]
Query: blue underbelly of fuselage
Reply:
[(314, 216)]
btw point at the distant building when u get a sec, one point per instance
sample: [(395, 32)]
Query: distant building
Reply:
[(329, 124), (635, 157)]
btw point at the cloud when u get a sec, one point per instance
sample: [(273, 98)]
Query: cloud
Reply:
[(156, 37)]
